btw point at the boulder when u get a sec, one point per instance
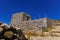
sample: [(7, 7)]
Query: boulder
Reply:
[(11, 33)]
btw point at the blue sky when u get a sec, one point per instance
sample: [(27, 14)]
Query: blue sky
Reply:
[(36, 8)]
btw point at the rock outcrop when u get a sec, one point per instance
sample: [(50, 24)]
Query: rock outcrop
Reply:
[(10, 33)]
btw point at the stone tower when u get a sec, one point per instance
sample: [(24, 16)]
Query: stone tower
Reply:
[(20, 17)]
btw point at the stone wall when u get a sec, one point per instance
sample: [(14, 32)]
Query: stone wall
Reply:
[(31, 25), (23, 21)]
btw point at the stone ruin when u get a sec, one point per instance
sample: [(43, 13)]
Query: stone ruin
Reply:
[(43, 27)]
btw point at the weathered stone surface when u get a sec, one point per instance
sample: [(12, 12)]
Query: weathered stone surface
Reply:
[(44, 25), (11, 33), (44, 38), (22, 21)]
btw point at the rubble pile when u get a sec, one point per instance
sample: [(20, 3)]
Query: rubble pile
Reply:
[(10, 33)]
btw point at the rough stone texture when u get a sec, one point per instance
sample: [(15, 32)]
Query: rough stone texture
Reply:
[(23, 21), (10, 33), (44, 38)]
